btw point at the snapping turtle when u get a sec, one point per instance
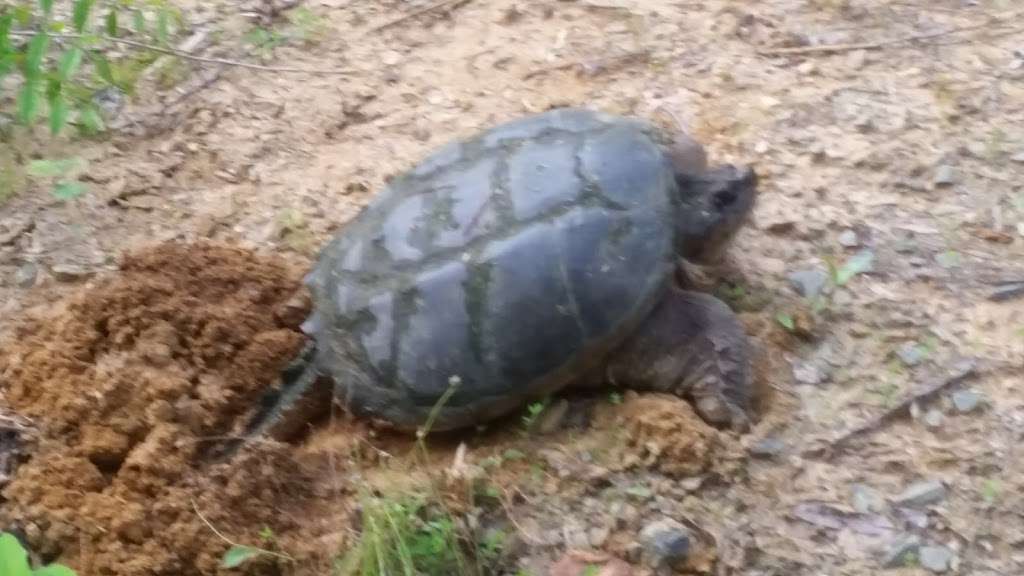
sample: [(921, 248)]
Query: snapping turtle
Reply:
[(534, 255)]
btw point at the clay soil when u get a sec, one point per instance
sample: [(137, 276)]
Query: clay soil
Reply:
[(141, 323)]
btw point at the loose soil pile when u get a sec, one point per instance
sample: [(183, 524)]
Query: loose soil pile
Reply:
[(133, 380), (129, 384)]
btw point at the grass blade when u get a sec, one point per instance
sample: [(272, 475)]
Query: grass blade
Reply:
[(69, 63), (80, 14), (110, 24), (28, 101), (58, 113), (34, 55)]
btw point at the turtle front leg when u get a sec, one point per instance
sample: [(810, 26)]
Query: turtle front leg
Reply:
[(691, 345)]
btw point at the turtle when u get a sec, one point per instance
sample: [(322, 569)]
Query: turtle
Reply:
[(545, 252)]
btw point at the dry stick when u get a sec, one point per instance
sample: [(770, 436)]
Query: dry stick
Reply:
[(283, 556), (836, 48), (596, 65), (451, 4), (192, 57), (962, 372)]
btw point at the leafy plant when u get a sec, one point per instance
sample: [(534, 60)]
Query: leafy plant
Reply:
[(62, 57), (63, 173), (14, 560), (533, 412)]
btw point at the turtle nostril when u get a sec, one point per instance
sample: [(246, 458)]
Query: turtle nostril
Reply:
[(724, 198)]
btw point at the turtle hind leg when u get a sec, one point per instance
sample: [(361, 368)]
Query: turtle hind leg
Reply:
[(694, 346), (304, 397)]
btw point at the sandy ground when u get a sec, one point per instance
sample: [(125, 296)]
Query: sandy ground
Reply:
[(910, 151)]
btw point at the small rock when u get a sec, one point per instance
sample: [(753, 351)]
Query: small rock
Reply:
[(966, 400), (666, 543), (1018, 157), (901, 551), (921, 494), (767, 448), (576, 537), (848, 239), (808, 283), (808, 373), (945, 175), (551, 419), (932, 418), (598, 536), (807, 67), (70, 272), (580, 563), (25, 275), (867, 499), (911, 353), (935, 558), (856, 59)]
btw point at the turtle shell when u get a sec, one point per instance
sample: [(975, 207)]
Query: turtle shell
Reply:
[(507, 263)]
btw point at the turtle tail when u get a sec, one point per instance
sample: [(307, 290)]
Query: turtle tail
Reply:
[(303, 397)]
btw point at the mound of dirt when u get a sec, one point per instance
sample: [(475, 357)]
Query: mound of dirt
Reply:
[(128, 383)]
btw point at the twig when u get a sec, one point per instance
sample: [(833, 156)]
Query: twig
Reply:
[(230, 542), (1007, 291), (441, 4), (590, 67), (192, 57), (837, 48), (963, 371)]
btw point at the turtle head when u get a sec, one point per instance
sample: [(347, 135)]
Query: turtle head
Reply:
[(713, 204)]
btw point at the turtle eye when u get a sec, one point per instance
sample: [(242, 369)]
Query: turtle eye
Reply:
[(724, 198)]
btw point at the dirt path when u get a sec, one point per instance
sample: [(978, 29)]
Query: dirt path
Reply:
[(911, 154)]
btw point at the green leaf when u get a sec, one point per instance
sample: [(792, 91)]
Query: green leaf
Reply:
[(89, 120), (948, 259), (47, 6), (110, 24), (6, 64), (990, 490), (163, 25), (49, 168), (139, 21), (13, 558), (69, 63), (58, 114), (54, 570), (69, 189), (34, 55), (6, 21), (786, 320), (236, 555), (103, 68), (28, 101), (23, 15), (80, 14), (858, 263)]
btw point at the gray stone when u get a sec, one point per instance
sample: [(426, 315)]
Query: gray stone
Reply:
[(808, 283), (966, 400), (933, 418), (808, 373), (945, 175), (921, 494), (936, 558), (1018, 157), (912, 353), (25, 275), (666, 543), (866, 499), (598, 536), (901, 552), (848, 239), (551, 419), (71, 272), (767, 448)]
